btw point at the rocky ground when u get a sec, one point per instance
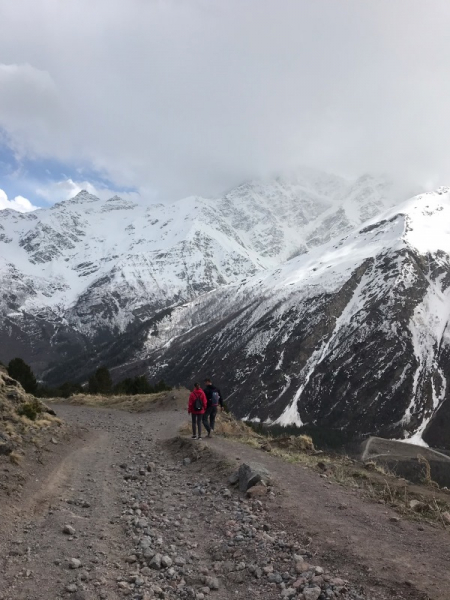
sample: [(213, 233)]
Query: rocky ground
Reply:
[(118, 512)]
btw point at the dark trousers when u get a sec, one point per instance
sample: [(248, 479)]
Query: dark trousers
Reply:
[(209, 418), (197, 424)]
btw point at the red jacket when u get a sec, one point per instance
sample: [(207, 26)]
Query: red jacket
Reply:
[(197, 394)]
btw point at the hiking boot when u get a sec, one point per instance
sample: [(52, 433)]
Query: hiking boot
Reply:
[(199, 437), (209, 434), (194, 437)]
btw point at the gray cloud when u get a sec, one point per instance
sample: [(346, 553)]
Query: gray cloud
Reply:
[(193, 97)]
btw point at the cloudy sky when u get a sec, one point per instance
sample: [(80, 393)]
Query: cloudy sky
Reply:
[(167, 98)]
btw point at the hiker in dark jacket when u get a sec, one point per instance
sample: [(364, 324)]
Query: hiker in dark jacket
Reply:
[(196, 408), (214, 400)]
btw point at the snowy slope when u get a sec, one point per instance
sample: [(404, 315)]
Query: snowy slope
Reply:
[(97, 266), (312, 299), (354, 334)]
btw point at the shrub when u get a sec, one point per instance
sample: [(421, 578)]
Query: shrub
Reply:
[(30, 410)]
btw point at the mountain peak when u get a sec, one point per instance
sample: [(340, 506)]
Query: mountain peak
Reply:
[(84, 196)]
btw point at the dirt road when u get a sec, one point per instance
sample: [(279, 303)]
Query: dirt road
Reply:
[(141, 522)]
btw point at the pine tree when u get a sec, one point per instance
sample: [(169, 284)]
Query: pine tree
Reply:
[(19, 370), (100, 382)]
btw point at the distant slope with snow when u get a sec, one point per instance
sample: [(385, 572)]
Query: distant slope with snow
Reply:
[(312, 300), (353, 335), (80, 274)]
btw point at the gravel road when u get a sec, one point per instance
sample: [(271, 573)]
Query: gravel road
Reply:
[(118, 512)]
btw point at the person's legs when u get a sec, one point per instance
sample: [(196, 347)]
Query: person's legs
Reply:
[(194, 422), (212, 417), (199, 425), (205, 420)]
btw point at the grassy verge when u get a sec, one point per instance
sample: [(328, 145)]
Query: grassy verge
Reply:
[(134, 403)]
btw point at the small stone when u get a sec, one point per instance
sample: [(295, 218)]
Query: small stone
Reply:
[(417, 505), (300, 582), (151, 467), (233, 478), (186, 461), (131, 559), (71, 588), (446, 517), (74, 563), (226, 493), (212, 583), (69, 530), (155, 563), (53, 440), (337, 582), (166, 561), (312, 593), (394, 519), (288, 593), (256, 491), (302, 567)]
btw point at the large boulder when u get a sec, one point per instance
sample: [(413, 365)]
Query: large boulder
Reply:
[(252, 474)]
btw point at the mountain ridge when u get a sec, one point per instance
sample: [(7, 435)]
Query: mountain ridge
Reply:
[(259, 288)]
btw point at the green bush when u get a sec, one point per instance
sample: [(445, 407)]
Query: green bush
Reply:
[(30, 410)]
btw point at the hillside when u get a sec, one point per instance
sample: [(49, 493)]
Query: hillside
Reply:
[(87, 273), (313, 301), (353, 335)]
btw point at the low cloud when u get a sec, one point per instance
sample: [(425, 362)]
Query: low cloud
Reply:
[(177, 98), (19, 203)]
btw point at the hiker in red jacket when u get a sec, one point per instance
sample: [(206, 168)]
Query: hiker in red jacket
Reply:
[(196, 408)]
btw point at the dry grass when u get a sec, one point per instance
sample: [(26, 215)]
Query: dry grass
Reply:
[(227, 426), (137, 403), (15, 458)]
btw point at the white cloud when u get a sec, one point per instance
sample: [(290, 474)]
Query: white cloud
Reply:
[(193, 97), (19, 203)]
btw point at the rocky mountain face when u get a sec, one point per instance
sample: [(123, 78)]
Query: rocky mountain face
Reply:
[(353, 335), (86, 272), (311, 300)]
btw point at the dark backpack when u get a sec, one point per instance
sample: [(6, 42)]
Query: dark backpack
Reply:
[(215, 397), (198, 404)]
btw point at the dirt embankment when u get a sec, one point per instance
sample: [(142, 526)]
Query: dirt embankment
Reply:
[(29, 431)]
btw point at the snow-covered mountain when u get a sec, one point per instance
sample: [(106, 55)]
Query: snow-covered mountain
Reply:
[(85, 271), (313, 300), (354, 335)]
